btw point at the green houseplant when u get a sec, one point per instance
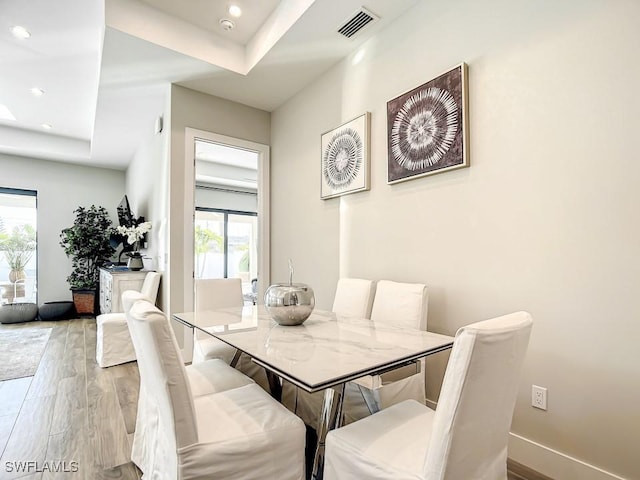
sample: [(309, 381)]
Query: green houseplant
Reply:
[(87, 244), (205, 241)]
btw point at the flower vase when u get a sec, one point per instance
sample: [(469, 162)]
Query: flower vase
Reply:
[(135, 261)]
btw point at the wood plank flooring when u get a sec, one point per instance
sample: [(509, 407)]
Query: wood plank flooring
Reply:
[(72, 414)]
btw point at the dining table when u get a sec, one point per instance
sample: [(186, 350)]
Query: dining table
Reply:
[(322, 354)]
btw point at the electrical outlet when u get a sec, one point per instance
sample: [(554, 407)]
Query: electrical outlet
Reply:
[(538, 397)]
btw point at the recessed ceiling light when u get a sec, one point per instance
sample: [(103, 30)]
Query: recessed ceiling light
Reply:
[(227, 24), (20, 32), (5, 113), (46, 126), (37, 92), (235, 11)]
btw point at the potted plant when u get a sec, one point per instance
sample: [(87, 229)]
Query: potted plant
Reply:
[(87, 244), (134, 234), (18, 248)]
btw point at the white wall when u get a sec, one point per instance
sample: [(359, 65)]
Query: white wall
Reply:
[(544, 219), (61, 189), (211, 114), (147, 186)]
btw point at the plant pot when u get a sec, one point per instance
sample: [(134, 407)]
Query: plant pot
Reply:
[(15, 275), (85, 301), (135, 262)]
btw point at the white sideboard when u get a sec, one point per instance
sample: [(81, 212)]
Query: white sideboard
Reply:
[(113, 283)]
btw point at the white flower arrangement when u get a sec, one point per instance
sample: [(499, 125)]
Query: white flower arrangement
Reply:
[(134, 233)]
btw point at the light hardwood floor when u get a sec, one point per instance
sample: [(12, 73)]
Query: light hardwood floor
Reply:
[(72, 411)]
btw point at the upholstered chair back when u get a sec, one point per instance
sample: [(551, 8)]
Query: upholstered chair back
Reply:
[(150, 286), (129, 297), (164, 378), (354, 297), (401, 304), (473, 418), (214, 293)]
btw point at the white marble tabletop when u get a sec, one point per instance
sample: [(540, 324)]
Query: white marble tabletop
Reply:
[(324, 351)]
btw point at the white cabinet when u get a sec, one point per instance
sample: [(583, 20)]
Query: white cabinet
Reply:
[(113, 283)]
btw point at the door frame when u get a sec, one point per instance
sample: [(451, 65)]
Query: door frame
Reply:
[(263, 151)]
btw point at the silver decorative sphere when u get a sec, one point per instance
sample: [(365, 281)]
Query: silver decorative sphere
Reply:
[(289, 303)]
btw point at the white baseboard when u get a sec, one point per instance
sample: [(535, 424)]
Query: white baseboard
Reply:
[(552, 463), (549, 462)]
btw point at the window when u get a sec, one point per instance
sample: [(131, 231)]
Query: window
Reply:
[(18, 246), (226, 245)]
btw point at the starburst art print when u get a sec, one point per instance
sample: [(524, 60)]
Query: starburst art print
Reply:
[(345, 158), (426, 128)]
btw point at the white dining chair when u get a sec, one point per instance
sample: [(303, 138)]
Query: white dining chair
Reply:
[(353, 298), (404, 305), (113, 341), (400, 304), (237, 433), (29, 286), (465, 437), (205, 378), (213, 294)]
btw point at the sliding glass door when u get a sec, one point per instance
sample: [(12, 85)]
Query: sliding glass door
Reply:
[(18, 246), (226, 245)]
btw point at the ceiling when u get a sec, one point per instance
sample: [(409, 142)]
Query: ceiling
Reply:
[(224, 166), (105, 67)]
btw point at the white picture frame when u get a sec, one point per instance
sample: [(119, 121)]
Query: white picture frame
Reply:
[(344, 162)]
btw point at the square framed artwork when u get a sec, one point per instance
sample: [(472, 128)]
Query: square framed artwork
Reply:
[(345, 158), (426, 128)]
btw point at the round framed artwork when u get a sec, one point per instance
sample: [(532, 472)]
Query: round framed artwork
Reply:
[(345, 158), (426, 128)]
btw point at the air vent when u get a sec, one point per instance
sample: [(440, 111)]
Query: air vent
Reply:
[(357, 22)]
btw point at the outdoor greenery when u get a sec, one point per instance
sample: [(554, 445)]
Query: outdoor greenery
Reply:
[(18, 246), (245, 261), (205, 241), (87, 244)]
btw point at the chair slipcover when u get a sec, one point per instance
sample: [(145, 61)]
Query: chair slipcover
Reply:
[(404, 305), (353, 298), (204, 378), (240, 433), (400, 304), (212, 294), (466, 437), (113, 342)]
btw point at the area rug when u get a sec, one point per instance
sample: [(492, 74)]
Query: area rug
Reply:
[(21, 350)]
